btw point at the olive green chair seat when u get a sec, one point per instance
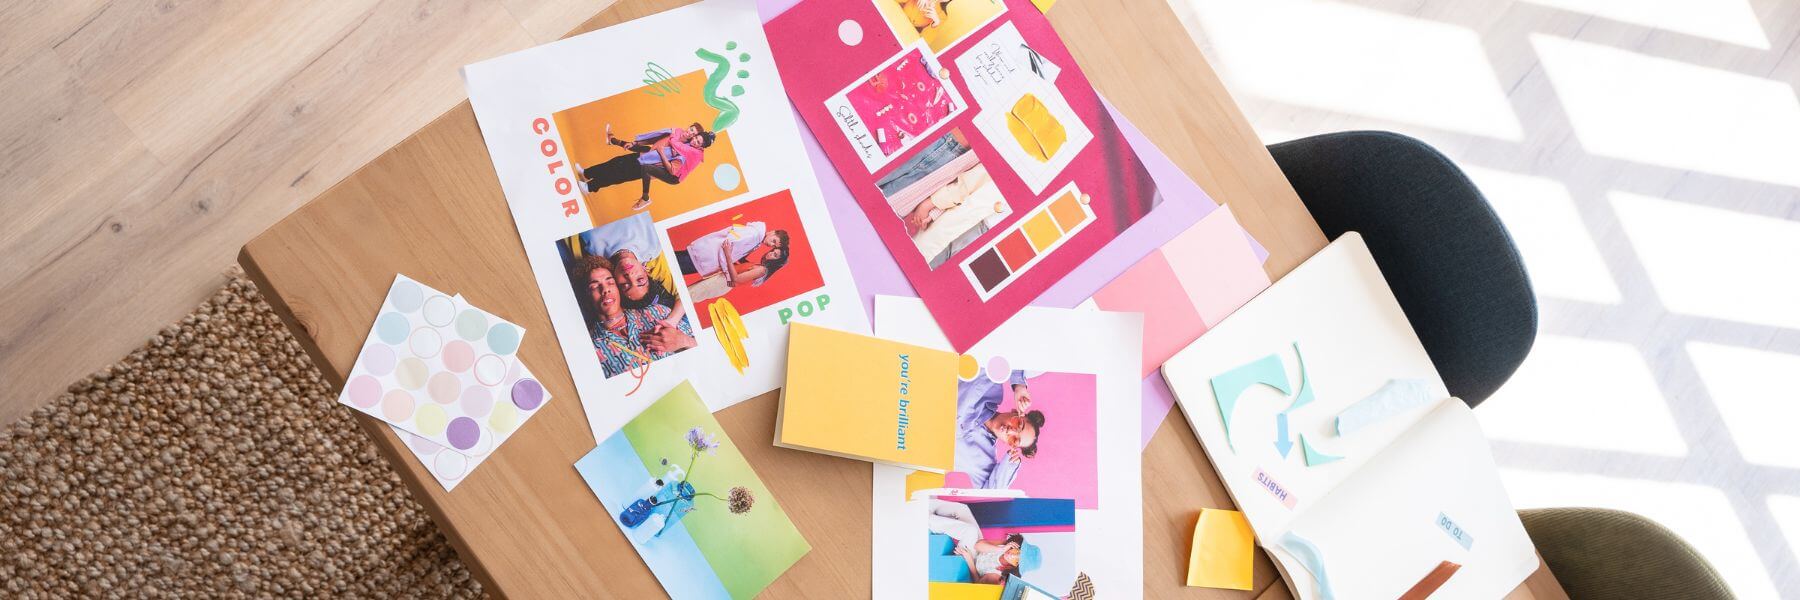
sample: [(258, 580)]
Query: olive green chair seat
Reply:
[(1601, 554)]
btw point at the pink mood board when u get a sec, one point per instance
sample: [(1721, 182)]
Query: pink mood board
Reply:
[(1070, 182)]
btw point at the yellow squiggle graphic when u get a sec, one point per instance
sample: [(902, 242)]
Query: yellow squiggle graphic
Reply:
[(729, 326)]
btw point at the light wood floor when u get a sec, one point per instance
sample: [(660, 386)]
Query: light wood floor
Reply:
[(142, 142), (1646, 155)]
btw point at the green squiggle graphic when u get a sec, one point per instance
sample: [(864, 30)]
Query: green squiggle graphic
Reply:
[(728, 110), (658, 82)]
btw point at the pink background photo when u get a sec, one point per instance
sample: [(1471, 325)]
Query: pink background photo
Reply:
[(1065, 465)]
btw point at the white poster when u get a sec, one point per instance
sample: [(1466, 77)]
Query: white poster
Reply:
[(1049, 413), (664, 199)]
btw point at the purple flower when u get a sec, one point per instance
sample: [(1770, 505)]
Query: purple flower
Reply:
[(700, 441)]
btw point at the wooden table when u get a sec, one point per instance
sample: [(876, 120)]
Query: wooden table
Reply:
[(432, 208)]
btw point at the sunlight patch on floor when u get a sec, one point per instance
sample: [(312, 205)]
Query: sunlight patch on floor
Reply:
[(1713, 262), (1653, 110), (1560, 254), (1579, 393), (1754, 393), (1729, 21), (1350, 59)]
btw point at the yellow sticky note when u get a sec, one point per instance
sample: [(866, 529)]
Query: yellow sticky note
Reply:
[(1222, 551), (963, 591), (1044, 5)]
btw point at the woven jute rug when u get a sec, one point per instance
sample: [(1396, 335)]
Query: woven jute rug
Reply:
[(213, 462)]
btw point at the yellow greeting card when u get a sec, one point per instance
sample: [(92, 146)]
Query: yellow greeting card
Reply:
[(868, 398)]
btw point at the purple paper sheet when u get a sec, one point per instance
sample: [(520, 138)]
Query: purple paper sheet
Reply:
[(876, 273), (1183, 204)]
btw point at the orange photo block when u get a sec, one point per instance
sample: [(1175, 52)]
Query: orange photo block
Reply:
[(673, 103)]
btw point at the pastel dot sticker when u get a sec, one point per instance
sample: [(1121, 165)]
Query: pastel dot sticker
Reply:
[(504, 419), (411, 373), (377, 360), (527, 394), (444, 387), (727, 177), (471, 324), (490, 370), (967, 368), (483, 445), (449, 465), (418, 444), (850, 32), (477, 401), (998, 371), (363, 391), (425, 342), (503, 339), (458, 356), (406, 296), (431, 420), (463, 433), (439, 310), (396, 406), (391, 328)]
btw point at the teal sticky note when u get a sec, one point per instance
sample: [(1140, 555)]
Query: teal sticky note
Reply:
[(1228, 386), (1305, 396), (1314, 457)]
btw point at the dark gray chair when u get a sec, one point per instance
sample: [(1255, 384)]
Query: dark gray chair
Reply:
[(1448, 259), (1460, 280)]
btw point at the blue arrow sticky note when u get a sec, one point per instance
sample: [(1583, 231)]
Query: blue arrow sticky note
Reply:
[(1283, 442)]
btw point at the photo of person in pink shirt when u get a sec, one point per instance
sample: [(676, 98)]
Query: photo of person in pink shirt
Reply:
[(666, 155)]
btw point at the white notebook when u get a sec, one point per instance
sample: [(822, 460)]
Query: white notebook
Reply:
[(1382, 505)]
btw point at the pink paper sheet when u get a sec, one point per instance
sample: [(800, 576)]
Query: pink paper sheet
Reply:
[(1183, 289)]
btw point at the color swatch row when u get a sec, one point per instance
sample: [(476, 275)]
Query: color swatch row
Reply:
[(1028, 241)]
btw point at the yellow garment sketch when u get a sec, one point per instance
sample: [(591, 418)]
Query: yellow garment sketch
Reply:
[(1036, 128)]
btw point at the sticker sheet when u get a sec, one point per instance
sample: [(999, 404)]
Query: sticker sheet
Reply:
[(659, 185), (968, 137), (518, 399), (426, 358), (1047, 410)]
